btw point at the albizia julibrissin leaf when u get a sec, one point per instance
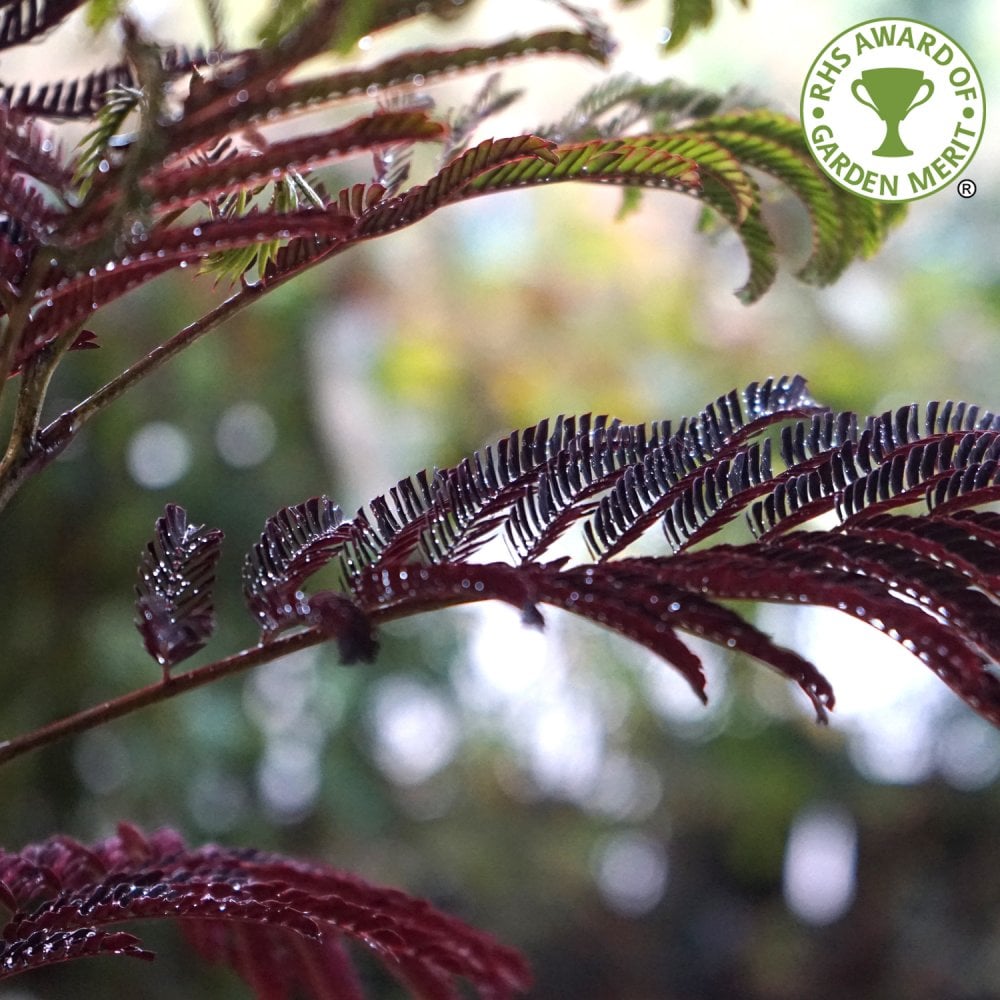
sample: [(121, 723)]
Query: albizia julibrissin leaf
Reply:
[(178, 186), (295, 543), (930, 583), (707, 158), (413, 67), (279, 923), (74, 299), (22, 22), (685, 15), (175, 614)]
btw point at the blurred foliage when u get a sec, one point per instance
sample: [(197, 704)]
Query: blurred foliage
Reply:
[(441, 341)]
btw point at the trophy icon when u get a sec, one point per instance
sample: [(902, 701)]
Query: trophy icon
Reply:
[(892, 93)]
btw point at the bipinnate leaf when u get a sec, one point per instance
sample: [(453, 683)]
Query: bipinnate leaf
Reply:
[(930, 583), (23, 22), (49, 947), (297, 542), (175, 612), (707, 158), (83, 98), (279, 923), (177, 187), (30, 149), (72, 300)]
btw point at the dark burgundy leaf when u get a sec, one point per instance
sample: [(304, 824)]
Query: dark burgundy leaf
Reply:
[(794, 574), (21, 22), (279, 923), (51, 947), (175, 613), (74, 299), (30, 149), (176, 186), (296, 543)]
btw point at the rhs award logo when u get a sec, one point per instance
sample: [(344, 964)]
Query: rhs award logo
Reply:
[(893, 109)]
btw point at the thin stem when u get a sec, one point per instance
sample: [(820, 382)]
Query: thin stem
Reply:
[(35, 379), (18, 311), (61, 431), (98, 715), (20, 463), (171, 685)]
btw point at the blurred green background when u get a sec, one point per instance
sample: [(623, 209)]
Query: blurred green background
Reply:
[(561, 790)]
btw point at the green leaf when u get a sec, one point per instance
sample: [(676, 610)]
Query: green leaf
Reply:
[(291, 193), (101, 12), (120, 103), (284, 18), (453, 182), (844, 225), (686, 15)]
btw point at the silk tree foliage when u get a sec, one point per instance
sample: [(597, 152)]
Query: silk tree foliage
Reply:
[(929, 582), (181, 167)]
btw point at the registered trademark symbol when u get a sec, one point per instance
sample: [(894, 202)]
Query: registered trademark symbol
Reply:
[(966, 188)]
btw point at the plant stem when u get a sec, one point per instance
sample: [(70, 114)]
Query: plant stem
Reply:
[(54, 438), (61, 431), (97, 715)]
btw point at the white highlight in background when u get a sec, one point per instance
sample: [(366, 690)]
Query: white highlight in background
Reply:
[(158, 455), (415, 730), (821, 865), (245, 435), (631, 873)]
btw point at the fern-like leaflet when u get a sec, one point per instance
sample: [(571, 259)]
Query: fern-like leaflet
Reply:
[(295, 542), (930, 583), (114, 212), (174, 607), (22, 21), (279, 924)]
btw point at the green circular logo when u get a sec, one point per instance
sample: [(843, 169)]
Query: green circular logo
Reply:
[(893, 109)]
